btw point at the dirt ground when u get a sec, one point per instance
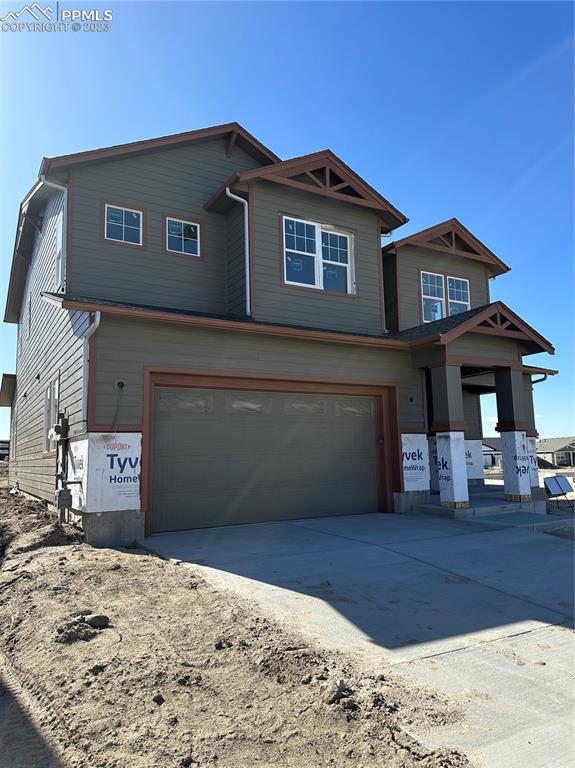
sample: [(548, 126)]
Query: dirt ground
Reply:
[(134, 661)]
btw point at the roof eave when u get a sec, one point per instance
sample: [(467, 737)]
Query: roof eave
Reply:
[(7, 389), (118, 150)]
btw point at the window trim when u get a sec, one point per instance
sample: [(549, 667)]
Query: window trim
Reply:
[(445, 276), (319, 261), (197, 223), (423, 297), (125, 207), (53, 384)]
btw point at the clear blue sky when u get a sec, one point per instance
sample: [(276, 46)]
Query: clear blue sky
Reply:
[(449, 109)]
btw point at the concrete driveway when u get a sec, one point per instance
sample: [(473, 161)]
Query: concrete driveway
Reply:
[(479, 613)]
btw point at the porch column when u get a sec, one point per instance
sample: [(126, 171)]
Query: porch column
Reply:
[(433, 465), (532, 433), (449, 427), (512, 426)]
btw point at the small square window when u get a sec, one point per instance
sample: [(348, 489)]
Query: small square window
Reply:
[(123, 225), (182, 237)]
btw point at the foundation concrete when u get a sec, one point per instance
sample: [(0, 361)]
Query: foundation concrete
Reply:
[(113, 529)]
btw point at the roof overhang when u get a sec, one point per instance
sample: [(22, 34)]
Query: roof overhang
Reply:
[(180, 317), (497, 320), (7, 389), (28, 224), (321, 173), (233, 132), (452, 238)]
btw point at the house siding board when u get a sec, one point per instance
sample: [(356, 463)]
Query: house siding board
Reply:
[(53, 348), (413, 259), (483, 346), (174, 181), (275, 302), (236, 284), (125, 346)]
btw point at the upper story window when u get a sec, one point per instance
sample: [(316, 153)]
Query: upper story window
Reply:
[(458, 295), (442, 295), (182, 237), (124, 225), (432, 296), (318, 257), (59, 251)]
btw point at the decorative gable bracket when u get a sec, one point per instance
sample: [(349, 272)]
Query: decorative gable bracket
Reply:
[(498, 320)]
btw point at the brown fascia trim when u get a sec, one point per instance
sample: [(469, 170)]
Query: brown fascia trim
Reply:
[(419, 238), (298, 165), (537, 369), (236, 325), (468, 325), (63, 161)]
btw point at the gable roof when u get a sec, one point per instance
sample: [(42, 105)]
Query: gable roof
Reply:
[(453, 238), (492, 442), (234, 131), (494, 319), (321, 173), (554, 444)]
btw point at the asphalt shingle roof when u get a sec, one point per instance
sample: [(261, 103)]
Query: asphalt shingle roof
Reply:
[(437, 327), (554, 444)]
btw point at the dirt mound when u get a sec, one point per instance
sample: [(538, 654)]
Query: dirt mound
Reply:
[(138, 662), (54, 534), (19, 515)]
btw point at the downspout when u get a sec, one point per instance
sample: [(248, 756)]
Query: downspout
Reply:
[(62, 188), (93, 327), (247, 275), (538, 381)]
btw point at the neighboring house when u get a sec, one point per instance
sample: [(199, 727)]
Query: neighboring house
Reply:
[(229, 322), (4, 450), (492, 452), (559, 451)]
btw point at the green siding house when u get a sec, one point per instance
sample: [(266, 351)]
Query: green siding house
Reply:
[(209, 335)]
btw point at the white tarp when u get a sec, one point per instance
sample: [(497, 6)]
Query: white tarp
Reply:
[(108, 468), (516, 470), (415, 453), (433, 465), (474, 459), (533, 463), (451, 466)]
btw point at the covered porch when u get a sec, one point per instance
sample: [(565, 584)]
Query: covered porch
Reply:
[(464, 357)]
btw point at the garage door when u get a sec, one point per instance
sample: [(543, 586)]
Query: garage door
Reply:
[(223, 457)]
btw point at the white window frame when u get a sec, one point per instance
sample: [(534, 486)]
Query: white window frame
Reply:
[(59, 259), (319, 261), (435, 298), (467, 303), (51, 408), (184, 253), (130, 210)]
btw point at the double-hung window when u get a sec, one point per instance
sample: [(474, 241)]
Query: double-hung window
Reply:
[(60, 251), (443, 295), (317, 256), (51, 404), (458, 295), (182, 237), (123, 225), (432, 296)]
